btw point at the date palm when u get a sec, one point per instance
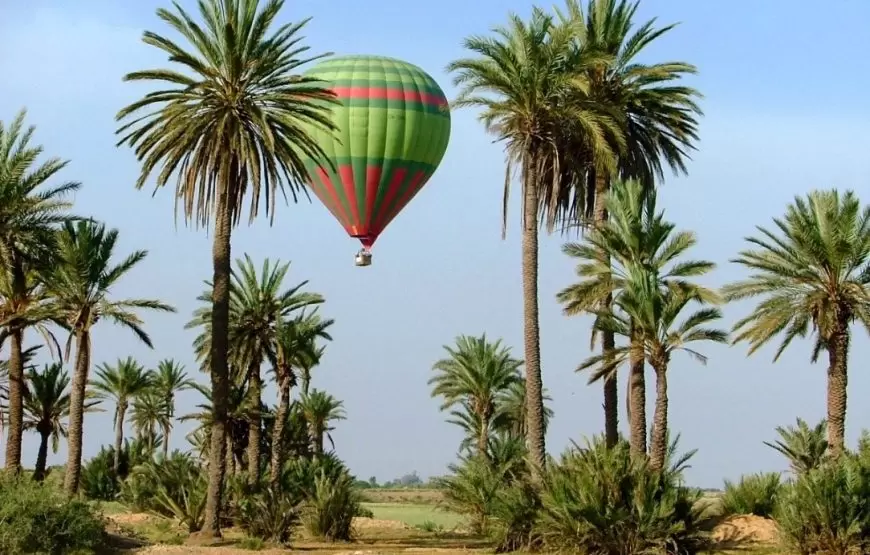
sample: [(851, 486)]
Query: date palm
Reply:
[(528, 81), (295, 348), (148, 415), (635, 237), (169, 379), (805, 448), (666, 322), (320, 409), (27, 356), (81, 285), (510, 418), (657, 118), (46, 407), (30, 209), (121, 383), (227, 121), (811, 275), (473, 376)]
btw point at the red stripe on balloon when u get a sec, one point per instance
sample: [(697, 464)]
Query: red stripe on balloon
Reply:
[(383, 93), (339, 207), (413, 189), (373, 182), (347, 184), (392, 190)]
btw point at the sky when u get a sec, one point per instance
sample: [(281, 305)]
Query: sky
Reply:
[(785, 112)]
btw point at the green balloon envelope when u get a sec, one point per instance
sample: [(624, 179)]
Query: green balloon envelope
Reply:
[(393, 129)]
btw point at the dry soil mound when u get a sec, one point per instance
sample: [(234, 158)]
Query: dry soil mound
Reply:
[(746, 529)]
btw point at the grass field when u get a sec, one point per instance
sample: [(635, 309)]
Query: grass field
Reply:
[(415, 515)]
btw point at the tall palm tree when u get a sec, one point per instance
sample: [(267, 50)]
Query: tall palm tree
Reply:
[(660, 316), (149, 414), (320, 409), (657, 120), (527, 80), (30, 210), (46, 406), (474, 375), (81, 285), (636, 237), (229, 121), (27, 355), (121, 382), (169, 379), (295, 347), (812, 274)]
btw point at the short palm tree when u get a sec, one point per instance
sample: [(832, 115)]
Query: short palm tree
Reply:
[(30, 209), (812, 276), (510, 418), (635, 237), (320, 409), (149, 414), (169, 379), (46, 407), (805, 448), (81, 284), (657, 118), (474, 375), (228, 122), (664, 327), (527, 80), (295, 348), (121, 383)]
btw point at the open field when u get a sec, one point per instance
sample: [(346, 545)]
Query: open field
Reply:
[(416, 496), (415, 515)]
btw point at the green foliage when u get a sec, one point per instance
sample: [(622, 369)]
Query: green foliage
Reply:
[(329, 512), (755, 494), (98, 479), (269, 515), (471, 490), (827, 509), (35, 518), (514, 515), (600, 501), (174, 487), (805, 448)]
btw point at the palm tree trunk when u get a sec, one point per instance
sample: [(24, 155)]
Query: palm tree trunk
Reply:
[(659, 447), (319, 432), (42, 454), (119, 435), (77, 412), (254, 421), (230, 460), (219, 368), (16, 402), (277, 461), (637, 396), (166, 432), (608, 341), (483, 435), (838, 353), (534, 386)]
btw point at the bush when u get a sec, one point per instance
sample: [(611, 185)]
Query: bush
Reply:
[(37, 519), (329, 512), (98, 480), (600, 501), (752, 495), (471, 490), (269, 515), (827, 509), (515, 511), (174, 487)]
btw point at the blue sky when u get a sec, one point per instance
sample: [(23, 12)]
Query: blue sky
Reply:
[(784, 85)]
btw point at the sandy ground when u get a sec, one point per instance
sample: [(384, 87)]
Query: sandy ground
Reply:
[(746, 529)]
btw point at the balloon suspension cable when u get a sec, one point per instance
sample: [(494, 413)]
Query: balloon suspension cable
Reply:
[(363, 257)]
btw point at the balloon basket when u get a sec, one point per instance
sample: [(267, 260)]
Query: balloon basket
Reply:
[(363, 258)]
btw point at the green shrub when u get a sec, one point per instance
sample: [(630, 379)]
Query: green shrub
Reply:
[(174, 487), (37, 519), (98, 480), (827, 509), (471, 490), (329, 512), (269, 515), (755, 494), (600, 501), (514, 516), (299, 475)]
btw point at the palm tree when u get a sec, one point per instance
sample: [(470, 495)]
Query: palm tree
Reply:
[(169, 379), (121, 383), (805, 448), (659, 316), (27, 355), (231, 121), (635, 237), (149, 415), (46, 406), (657, 120), (474, 375), (29, 212), (321, 408), (527, 80), (295, 347), (510, 418), (813, 277), (81, 284)]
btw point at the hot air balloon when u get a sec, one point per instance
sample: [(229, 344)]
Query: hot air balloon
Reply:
[(393, 128)]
